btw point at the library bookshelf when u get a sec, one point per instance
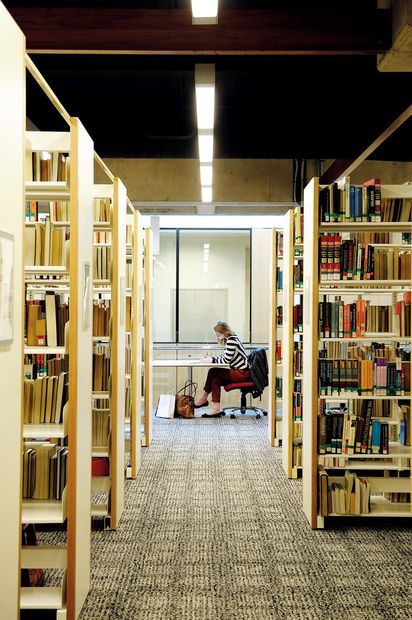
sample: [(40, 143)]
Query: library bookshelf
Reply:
[(275, 405), (12, 128), (148, 338), (292, 344), (357, 453), (109, 292), (135, 260), (56, 419)]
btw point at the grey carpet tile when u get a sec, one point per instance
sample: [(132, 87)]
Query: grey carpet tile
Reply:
[(213, 530)]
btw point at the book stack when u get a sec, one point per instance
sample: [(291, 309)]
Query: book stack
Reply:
[(297, 403), (298, 274), (298, 316), (50, 166), (101, 317), (298, 358), (101, 210), (101, 368), (102, 262), (353, 320), (403, 314), (298, 225), (102, 236), (351, 259), (376, 377), (44, 399), (346, 202), (45, 245), (44, 470), (46, 321), (100, 427)]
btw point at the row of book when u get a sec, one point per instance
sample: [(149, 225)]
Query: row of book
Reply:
[(344, 350), (101, 317), (102, 236), (128, 355), (297, 316), (101, 368), (39, 210), (47, 321), (297, 358), (350, 259), (297, 456), (102, 210), (362, 432), (100, 427), (46, 245), (279, 387), (45, 398), (298, 224), (279, 316), (38, 365), (364, 377), (279, 279), (278, 351), (346, 202), (350, 496), (128, 400), (352, 320), (44, 470), (297, 402), (102, 263), (129, 275), (298, 274), (47, 166)]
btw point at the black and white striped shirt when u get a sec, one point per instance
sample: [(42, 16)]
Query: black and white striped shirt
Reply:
[(234, 354)]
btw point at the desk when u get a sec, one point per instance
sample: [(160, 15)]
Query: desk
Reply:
[(188, 363)]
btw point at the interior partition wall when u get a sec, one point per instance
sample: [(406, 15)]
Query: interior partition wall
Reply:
[(219, 275)]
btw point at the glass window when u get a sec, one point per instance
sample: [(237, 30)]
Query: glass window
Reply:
[(164, 323), (213, 279)]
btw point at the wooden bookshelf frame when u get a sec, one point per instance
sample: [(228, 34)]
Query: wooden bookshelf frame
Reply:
[(148, 338), (288, 250), (12, 125), (76, 583), (116, 395), (312, 287)]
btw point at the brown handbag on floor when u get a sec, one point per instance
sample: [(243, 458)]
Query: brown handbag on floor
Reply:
[(185, 403)]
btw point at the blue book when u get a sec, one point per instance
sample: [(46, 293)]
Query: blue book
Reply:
[(376, 436)]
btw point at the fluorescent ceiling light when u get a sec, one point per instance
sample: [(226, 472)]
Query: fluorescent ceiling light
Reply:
[(204, 11), (206, 194), (205, 106), (206, 174), (205, 148)]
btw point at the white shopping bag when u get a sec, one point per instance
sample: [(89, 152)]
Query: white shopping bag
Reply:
[(166, 406)]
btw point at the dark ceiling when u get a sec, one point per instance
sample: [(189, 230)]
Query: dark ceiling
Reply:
[(319, 106)]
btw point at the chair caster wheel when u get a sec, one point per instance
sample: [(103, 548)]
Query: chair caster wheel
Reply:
[(232, 416), (258, 416), (265, 413), (223, 413)]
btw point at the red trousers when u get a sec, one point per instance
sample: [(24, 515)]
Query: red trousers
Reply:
[(216, 377)]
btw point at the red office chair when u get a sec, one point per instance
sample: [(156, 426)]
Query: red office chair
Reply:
[(245, 387)]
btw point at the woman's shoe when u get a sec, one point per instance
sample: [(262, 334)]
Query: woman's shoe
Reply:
[(203, 405), (212, 415)]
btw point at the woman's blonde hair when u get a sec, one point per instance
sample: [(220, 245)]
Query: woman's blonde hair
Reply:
[(222, 327)]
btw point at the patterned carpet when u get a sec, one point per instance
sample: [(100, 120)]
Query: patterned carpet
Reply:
[(213, 530)]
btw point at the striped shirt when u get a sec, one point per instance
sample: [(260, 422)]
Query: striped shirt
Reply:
[(234, 354)]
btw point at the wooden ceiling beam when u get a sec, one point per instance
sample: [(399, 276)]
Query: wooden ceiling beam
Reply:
[(343, 167), (335, 31)]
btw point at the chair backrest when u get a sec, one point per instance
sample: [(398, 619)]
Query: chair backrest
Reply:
[(259, 370)]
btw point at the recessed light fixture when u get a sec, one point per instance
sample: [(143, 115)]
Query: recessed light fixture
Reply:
[(204, 12), (205, 112)]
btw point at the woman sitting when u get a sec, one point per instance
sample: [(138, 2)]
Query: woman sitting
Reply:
[(235, 356)]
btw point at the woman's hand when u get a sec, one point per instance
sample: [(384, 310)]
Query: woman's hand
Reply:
[(206, 359)]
